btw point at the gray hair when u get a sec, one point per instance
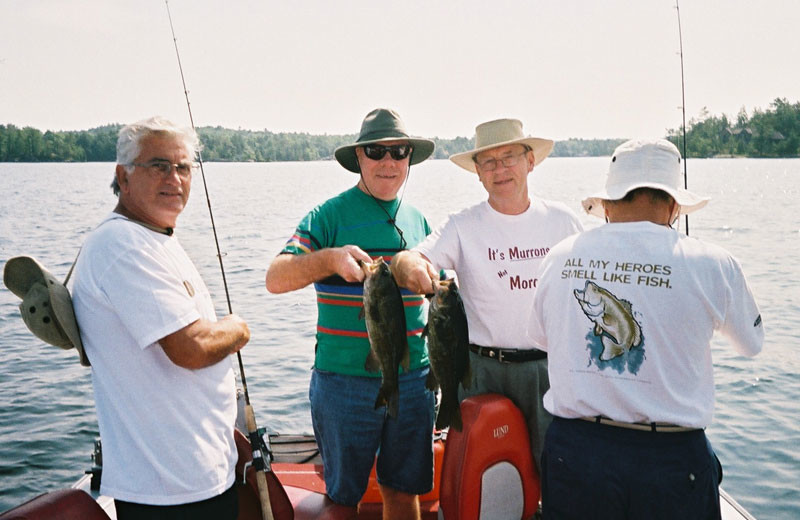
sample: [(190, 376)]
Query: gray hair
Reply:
[(131, 136)]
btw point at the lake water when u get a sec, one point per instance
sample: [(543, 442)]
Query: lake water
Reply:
[(47, 417)]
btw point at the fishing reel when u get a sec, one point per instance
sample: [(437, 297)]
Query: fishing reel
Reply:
[(262, 454)]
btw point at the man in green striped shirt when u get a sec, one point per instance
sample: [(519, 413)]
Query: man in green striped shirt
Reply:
[(365, 222)]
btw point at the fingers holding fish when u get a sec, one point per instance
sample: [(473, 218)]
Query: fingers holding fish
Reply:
[(414, 272), (347, 260)]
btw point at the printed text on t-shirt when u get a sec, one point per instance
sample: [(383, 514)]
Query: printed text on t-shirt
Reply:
[(650, 275), (516, 254)]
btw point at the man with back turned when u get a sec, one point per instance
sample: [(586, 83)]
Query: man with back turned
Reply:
[(626, 312), (163, 382)]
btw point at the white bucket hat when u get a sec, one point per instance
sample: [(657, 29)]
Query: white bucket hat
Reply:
[(502, 132), (644, 164), (46, 304)]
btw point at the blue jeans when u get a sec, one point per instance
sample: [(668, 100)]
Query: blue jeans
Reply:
[(597, 471), (350, 431)]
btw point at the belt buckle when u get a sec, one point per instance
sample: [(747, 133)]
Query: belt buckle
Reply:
[(500, 356)]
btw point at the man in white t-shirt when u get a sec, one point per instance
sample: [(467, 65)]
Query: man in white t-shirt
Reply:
[(496, 248), (163, 382), (626, 312)]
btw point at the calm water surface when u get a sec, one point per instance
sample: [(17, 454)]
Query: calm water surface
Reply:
[(47, 417)]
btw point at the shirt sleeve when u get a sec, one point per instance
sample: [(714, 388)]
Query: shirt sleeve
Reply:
[(441, 246), (742, 323), (147, 291)]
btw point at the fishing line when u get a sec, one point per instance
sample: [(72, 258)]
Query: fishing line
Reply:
[(392, 219), (208, 198), (683, 108), (259, 440)]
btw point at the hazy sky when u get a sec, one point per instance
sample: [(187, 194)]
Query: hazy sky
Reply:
[(568, 68)]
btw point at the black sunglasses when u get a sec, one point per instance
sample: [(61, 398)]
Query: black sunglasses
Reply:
[(398, 152)]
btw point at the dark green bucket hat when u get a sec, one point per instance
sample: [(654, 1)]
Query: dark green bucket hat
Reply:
[(380, 125)]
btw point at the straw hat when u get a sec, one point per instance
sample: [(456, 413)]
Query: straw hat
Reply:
[(46, 305), (644, 164), (501, 132), (381, 125)]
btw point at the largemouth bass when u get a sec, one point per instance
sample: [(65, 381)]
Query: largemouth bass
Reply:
[(386, 328), (448, 350), (613, 320)]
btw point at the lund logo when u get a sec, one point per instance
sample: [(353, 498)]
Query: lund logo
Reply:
[(500, 431)]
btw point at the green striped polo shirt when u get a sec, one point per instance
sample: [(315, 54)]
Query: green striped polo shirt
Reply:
[(355, 218)]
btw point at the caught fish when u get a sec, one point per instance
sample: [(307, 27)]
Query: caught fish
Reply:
[(386, 328), (613, 320), (448, 350)]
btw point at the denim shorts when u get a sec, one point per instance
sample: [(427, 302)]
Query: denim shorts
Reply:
[(350, 432)]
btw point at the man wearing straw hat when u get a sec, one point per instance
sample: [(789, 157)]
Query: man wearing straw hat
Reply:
[(626, 312), (164, 385), (365, 222), (496, 248)]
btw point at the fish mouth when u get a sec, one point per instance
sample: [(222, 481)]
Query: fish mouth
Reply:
[(369, 267)]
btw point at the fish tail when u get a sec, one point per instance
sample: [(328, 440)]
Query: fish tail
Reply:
[(449, 414), (431, 383)]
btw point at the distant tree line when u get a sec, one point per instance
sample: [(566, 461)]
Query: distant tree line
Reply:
[(223, 144), (774, 132), (771, 133)]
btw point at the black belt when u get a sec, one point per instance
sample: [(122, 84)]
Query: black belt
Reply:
[(646, 427), (508, 355)]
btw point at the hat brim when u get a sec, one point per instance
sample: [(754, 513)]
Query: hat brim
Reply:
[(346, 155), (21, 273), (541, 149), (689, 202)]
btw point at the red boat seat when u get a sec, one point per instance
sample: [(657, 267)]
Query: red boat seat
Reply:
[(63, 504), (488, 469)]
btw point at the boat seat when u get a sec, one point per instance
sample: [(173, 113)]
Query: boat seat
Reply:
[(62, 504), (488, 470)]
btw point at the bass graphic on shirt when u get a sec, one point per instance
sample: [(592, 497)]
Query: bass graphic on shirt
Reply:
[(613, 320)]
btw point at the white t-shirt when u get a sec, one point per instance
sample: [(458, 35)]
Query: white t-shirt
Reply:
[(626, 313), (167, 431), (497, 258)]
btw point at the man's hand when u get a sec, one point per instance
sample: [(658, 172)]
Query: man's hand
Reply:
[(291, 272), (414, 272), (346, 264)]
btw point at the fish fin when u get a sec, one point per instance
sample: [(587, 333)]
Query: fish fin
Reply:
[(442, 418), (455, 421), (371, 364), (388, 399), (610, 351), (362, 313), (424, 331), (637, 335), (466, 380), (431, 383)]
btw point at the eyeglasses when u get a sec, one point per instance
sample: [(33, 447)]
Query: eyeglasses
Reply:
[(398, 152), (490, 165), (164, 168)]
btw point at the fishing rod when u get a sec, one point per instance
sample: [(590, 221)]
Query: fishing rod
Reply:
[(683, 108), (259, 441)]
